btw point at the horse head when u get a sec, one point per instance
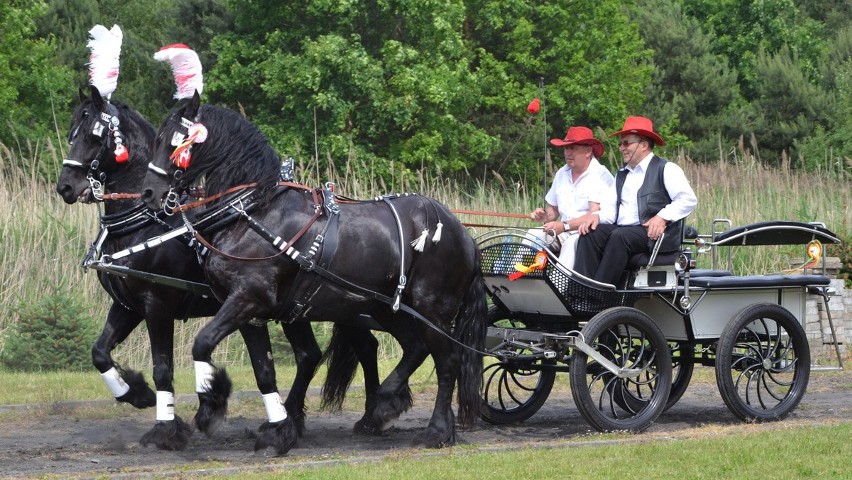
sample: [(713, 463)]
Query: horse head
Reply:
[(106, 141), (206, 142)]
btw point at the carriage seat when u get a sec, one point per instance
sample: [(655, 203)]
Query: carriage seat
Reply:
[(703, 272), (759, 281)]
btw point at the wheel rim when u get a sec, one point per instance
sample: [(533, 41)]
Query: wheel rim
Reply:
[(509, 389), (514, 388), (763, 365), (629, 339), (623, 398)]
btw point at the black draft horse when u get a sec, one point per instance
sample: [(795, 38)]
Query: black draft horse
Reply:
[(370, 264), (91, 169)]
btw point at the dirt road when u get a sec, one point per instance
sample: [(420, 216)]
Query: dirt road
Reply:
[(101, 438)]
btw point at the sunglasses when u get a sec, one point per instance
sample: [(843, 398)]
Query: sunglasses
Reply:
[(625, 143)]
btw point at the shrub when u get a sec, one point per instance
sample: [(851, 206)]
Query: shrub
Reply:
[(54, 332)]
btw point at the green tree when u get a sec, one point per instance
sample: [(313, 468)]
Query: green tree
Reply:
[(788, 107), (33, 87), (743, 28), (590, 56), (53, 333), (381, 80), (829, 146), (693, 91)]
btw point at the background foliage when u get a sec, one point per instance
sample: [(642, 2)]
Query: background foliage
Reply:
[(54, 332), (441, 86)]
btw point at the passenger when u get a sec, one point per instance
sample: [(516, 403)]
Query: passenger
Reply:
[(577, 189), (650, 196)]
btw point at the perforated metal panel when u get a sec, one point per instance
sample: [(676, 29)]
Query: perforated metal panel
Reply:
[(581, 298)]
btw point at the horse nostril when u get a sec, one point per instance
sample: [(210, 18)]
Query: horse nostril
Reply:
[(147, 194)]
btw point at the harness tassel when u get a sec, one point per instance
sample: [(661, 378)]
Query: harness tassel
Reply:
[(420, 243), (437, 237)]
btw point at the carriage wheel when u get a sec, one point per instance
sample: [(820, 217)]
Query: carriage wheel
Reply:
[(682, 366), (762, 363), (629, 339), (513, 390)]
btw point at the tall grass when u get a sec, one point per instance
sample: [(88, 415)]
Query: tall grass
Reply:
[(43, 239)]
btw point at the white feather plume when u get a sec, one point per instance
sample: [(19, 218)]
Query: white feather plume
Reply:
[(186, 68), (105, 47)]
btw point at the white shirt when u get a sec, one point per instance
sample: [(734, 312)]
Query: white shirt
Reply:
[(677, 186), (572, 198)]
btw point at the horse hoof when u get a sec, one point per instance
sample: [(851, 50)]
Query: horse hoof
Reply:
[(366, 427), (390, 407), (434, 438), (207, 421), (213, 404), (281, 436), (168, 435)]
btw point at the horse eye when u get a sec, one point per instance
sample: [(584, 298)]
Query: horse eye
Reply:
[(73, 134)]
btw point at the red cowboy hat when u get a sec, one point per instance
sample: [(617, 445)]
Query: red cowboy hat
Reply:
[(580, 136), (641, 126)]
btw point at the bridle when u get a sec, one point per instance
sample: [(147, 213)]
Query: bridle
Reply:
[(182, 140), (113, 143)]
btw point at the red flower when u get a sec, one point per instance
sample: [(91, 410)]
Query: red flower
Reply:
[(534, 106)]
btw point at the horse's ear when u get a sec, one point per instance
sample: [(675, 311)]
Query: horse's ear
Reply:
[(97, 98), (83, 96), (194, 105)]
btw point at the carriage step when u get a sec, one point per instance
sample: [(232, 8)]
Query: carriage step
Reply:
[(826, 368)]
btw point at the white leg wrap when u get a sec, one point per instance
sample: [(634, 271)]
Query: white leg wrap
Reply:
[(275, 411), (203, 376), (115, 383), (165, 406)]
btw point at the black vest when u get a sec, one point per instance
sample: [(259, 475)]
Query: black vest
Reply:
[(652, 197)]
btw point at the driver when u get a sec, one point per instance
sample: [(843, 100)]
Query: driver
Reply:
[(650, 196)]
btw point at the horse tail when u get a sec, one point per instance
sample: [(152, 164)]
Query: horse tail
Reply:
[(342, 363), (471, 328)]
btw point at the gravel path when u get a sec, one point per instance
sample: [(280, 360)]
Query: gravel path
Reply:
[(101, 438)]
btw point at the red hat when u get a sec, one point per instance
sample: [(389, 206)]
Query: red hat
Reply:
[(580, 136), (641, 126)]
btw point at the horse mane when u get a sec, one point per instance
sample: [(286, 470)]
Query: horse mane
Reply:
[(235, 152), (138, 132)]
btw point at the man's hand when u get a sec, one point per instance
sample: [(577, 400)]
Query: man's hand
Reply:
[(538, 215), (590, 222), (656, 226)]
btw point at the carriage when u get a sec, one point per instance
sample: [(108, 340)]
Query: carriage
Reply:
[(630, 350)]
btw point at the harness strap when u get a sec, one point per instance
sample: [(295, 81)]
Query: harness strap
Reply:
[(325, 244), (402, 279)]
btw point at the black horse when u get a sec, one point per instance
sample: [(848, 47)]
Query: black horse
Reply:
[(355, 261), (91, 169)]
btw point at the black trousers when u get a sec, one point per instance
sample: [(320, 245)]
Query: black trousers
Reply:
[(603, 254)]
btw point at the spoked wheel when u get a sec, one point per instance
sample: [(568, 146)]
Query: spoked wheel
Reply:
[(762, 363), (682, 367), (515, 389), (629, 339)]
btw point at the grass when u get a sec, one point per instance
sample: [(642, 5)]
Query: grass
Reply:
[(806, 452), (28, 388), (42, 240)]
